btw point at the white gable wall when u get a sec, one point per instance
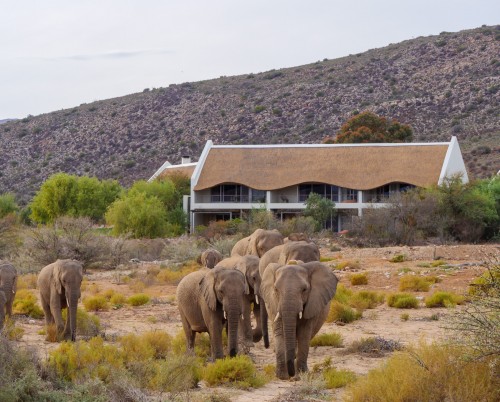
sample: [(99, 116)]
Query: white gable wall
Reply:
[(453, 163)]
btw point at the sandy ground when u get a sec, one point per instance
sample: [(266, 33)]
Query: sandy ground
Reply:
[(464, 262)]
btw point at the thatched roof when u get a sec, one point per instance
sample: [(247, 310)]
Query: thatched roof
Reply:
[(186, 169), (360, 167)]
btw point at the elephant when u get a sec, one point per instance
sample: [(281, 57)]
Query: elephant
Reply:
[(210, 258), (249, 266), (296, 237), (209, 298), (293, 250), (298, 298), (59, 285), (258, 243), (8, 285)]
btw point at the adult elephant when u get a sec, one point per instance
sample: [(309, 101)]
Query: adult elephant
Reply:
[(258, 243), (207, 299), (293, 250), (210, 258), (8, 283), (59, 285), (298, 298), (249, 266)]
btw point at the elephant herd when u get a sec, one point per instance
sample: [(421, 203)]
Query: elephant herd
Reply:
[(265, 275), (59, 284)]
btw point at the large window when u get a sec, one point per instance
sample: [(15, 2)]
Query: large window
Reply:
[(236, 193), (324, 190)]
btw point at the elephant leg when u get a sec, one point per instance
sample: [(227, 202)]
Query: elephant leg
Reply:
[(190, 334), (245, 327), (216, 343), (257, 331), (8, 306), (265, 328), (279, 349), (67, 326), (49, 319), (304, 335), (55, 309)]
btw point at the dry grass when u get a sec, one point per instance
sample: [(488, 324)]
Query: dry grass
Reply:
[(443, 299), (238, 372), (25, 303), (331, 339), (359, 279), (96, 303), (402, 300)]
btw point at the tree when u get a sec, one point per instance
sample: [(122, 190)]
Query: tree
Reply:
[(8, 204), (320, 209), (368, 127)]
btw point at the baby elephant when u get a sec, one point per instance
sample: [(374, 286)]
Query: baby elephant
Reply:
[(8, 282), (59, 285)]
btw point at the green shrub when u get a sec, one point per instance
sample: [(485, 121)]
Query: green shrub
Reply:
[(443, 299), (338, 378), (138, 299), (201, 344), (87, 325), (414, 283), (438, 263), (341, 313), (366, 299), (398, 258), (95, 303), (342, 294), (25, 303), (404, 317), (402, 300), (118, 300), (348, 264), (330, 339), (428, 373), (238, 371), (358, 279), (149, 345), (10, 331), (176, 374)]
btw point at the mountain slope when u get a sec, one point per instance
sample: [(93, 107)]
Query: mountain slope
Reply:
[(441, 85)]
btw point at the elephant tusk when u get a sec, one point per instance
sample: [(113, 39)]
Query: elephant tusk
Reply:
[(277, 316), (256, 300), (300, 315), (241, 316), (225, 315)]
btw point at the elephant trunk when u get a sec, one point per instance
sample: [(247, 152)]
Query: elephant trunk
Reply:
[(72, 307), (233, 318), (263, 320), (289, 320)]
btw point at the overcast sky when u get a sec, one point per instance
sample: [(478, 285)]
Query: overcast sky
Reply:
[(56, 54)]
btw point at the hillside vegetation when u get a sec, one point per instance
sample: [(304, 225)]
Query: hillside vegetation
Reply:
[(440, 85)]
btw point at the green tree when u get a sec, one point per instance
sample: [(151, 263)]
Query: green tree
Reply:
[(164, 190), (8, 204), (320, 209), (368, 127), (139, 215)]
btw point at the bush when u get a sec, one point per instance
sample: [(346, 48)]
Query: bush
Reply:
[(238, 371), (443, 299), (10, 331), (358, 279), (338, 378), (138, 299), (25, 303), (414, 283), (428, 373), (173, 277), (95, 303), (118, 300), (201, 344), (330, 339), (87, 325), (398, 258), (27, 281), (374, 346), (402, 300), (8, 204), (342, 313), (348, 264), (176, 374), (366, 299)]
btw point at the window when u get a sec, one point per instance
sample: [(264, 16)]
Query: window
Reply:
[(258, 195), (325, 190)]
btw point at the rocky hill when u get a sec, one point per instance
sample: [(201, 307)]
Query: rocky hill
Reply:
[(441, 85)]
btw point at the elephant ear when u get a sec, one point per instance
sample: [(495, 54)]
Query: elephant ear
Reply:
[(267, 291), (56, 276), (254, 241), (207, 288), (323, 286)]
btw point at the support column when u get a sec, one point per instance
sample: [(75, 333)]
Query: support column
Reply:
[(268, 200)]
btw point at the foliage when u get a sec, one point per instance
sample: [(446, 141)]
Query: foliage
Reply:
[(443, 299), (8, 234), (319, 208), (398, 258), (358, 279), (238, 371), (428, 373), (402, 300), (327, 339), (8, 204), (368, 127), (342, 313), (25, 303), (138, 299), (87, 325), (96, 303), (414, 283), (374, 346), (366, 299), (335, 378), (64, 194), (11, 331)]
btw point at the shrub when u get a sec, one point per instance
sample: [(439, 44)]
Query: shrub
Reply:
[(374, 346), (27, 281), (330, 339), (173, 277), (238, 371), (338, 378), (366, 299), (438, 263), (398, 258), (348, 264), (342, 313), (414, 283), (118, 300), (87, 325), (427, 373), (343, 295), (358, 279), (404, 317), (138, 299), (25, 304), (96, 303), (443, 299), (402, 300), (176, 374), (11, 332)]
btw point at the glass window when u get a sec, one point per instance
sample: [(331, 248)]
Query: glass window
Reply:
[(258, 195)]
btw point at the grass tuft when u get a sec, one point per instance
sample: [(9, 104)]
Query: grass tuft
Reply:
[(443, 299), (414, 283), (342, 313), (25, 303), (138, 299), (238, 371), (96, 303), (402, 300), (330, 339), (358, 279), (398, 258)]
